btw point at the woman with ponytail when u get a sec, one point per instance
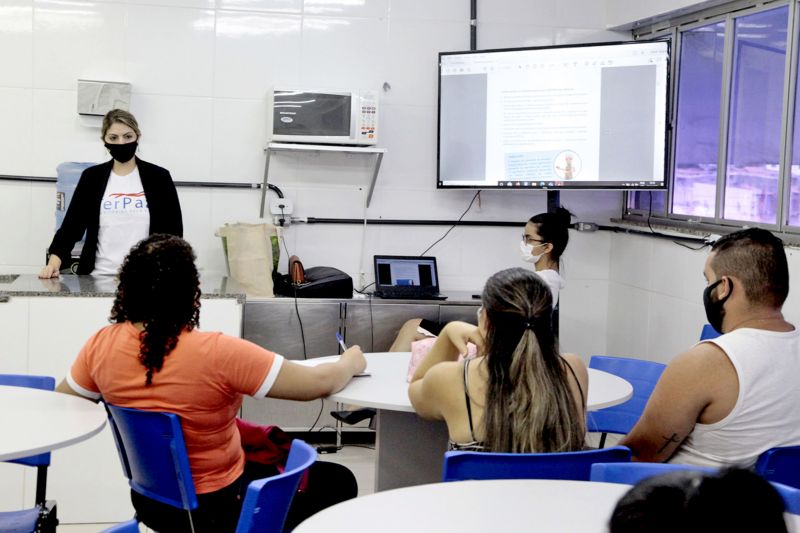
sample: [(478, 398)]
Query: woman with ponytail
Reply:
[(519, 394)]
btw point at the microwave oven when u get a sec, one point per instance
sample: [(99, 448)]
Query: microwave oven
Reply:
[(348, 117)]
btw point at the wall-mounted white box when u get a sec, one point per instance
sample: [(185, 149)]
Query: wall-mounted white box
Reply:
[(100, 97)]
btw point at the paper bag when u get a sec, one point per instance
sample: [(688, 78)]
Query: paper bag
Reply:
[(250, 250)]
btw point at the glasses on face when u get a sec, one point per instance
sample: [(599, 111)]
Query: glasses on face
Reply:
[(480, 310), (527, 239)]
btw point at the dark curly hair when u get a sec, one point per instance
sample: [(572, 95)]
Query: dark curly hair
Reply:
[(158, 286)]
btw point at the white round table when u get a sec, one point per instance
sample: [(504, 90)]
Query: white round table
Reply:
[(387, 386), (541, 505), (410, 450), (34, 421)]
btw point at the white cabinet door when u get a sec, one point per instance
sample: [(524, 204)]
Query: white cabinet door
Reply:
[(14, 335)]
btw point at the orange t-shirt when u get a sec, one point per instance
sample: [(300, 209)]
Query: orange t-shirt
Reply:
[(202, 381)]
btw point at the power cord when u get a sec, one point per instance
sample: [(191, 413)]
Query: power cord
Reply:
[(297, 307), (477, 194)]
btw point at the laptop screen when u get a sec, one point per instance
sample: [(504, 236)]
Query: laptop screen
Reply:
[(393, 271)]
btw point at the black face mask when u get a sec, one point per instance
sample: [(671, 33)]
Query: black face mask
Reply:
[(122, 152), (714, 310)]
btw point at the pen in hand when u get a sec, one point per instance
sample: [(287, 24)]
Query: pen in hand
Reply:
[(344, 349)]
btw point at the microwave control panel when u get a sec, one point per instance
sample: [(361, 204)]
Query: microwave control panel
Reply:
[(369, 117)]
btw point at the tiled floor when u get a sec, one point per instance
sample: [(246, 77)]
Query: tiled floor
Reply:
[(360, 459)]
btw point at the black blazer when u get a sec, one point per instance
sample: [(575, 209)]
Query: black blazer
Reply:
[(83, 213)]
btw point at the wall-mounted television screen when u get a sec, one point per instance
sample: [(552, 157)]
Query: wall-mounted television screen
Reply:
[(560, 117)]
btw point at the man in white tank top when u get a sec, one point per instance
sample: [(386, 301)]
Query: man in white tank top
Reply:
[(727, 400)]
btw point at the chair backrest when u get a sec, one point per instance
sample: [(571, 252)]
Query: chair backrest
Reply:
[(708, 332), (153, 453), (790, 495), (567, 465), (781, 465), (632, 473), (267, 501), (642, 375), (32, 382), (131, 526)]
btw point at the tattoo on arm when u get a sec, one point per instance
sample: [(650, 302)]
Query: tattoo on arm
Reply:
[(669, 440)]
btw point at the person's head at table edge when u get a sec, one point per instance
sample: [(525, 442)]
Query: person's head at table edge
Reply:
[(159, 291), (731, 500), (524, 368)]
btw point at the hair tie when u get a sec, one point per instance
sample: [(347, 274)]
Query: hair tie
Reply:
[(529, 324)]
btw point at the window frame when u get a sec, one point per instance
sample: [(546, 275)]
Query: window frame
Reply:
[(673, 32)]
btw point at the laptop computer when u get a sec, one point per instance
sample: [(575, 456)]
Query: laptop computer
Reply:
[(407, 277)]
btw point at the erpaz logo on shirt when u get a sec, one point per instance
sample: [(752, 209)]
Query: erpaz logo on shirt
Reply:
[(121, 201)]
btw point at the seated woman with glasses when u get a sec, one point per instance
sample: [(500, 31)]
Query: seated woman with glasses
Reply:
[(519, 394), (544, 239)]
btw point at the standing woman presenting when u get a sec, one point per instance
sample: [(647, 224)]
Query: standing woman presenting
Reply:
[(117, 204)]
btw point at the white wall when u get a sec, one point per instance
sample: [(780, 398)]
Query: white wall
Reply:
[(199, 70), (623, 13)]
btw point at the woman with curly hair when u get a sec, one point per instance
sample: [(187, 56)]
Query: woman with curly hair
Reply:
[(153, 358)]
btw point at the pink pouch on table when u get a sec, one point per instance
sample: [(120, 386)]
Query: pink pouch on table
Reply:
[(420, 348)]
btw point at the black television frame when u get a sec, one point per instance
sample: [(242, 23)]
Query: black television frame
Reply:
[(560, 185)]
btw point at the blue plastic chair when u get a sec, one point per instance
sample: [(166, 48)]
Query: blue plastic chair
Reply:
[(632, 473), (643, 375), (459, 466), (790, 495), (153, 456), (131, 526), (42, 517), (267, 501), (781, 465), (708, 332)]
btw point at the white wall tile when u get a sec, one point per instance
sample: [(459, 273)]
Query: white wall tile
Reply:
[(198, 4), (628, 321), (628, 255), (674, 326), (411, 64), (582, 325), (579, 13), (15, 204), (678, 271), (278, 6), (542, 12), (493, 34), (457, 10), (176, 134), (409, 132), (587, 256), (170, 50), (42, 221), (16, 131), (343, 52), (579, 36), (347, 8), (255, 51), (70, 137), (77, 40), (16, 43), (239, 137)]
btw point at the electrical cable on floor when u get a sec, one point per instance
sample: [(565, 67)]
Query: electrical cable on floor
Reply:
[(321, 407), (453, 226)]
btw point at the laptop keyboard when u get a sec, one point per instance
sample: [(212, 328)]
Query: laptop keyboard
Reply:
[(401, 291)]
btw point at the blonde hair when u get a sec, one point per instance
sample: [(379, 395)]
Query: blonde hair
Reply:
[(121, 116), (529, 403)]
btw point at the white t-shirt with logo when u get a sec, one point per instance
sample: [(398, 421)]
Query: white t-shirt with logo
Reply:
[(124, 221)]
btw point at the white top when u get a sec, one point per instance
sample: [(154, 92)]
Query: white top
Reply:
[(767, 411), (36, 421), (553, 280), (387, 388), (541, 505), (124, 221)]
